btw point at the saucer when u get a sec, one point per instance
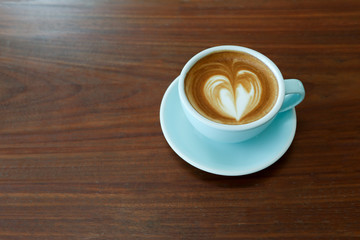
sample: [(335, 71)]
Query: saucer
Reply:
[(228, 159)]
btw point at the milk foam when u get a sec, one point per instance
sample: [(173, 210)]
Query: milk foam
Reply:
[(231, 87), (233, 100)]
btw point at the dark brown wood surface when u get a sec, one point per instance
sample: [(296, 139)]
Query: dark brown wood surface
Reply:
[(82, 155)]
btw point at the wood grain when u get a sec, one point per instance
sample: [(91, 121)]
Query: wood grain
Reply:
[(82, 155)]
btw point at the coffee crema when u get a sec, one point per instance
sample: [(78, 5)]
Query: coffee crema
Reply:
[(231, 87)]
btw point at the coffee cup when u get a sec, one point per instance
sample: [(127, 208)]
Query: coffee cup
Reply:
[(232, 93)]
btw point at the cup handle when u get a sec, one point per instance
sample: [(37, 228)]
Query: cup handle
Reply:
[(294, 94)]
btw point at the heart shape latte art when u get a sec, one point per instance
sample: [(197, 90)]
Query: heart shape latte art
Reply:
[(233, 99)]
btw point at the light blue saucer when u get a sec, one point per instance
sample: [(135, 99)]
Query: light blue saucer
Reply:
[(228, 159)]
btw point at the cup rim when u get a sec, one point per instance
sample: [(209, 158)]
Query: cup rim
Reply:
[(221, 126)]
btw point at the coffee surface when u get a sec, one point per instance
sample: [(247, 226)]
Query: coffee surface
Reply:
[(231, 87)]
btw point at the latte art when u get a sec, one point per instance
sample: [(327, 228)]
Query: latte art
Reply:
[(233, 101), (231, 87)]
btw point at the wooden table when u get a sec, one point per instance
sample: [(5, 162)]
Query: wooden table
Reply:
[(82, 154)]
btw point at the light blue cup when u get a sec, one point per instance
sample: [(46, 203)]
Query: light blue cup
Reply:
[(291, 93)]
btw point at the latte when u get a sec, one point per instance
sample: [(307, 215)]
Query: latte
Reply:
[(231, 87)]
